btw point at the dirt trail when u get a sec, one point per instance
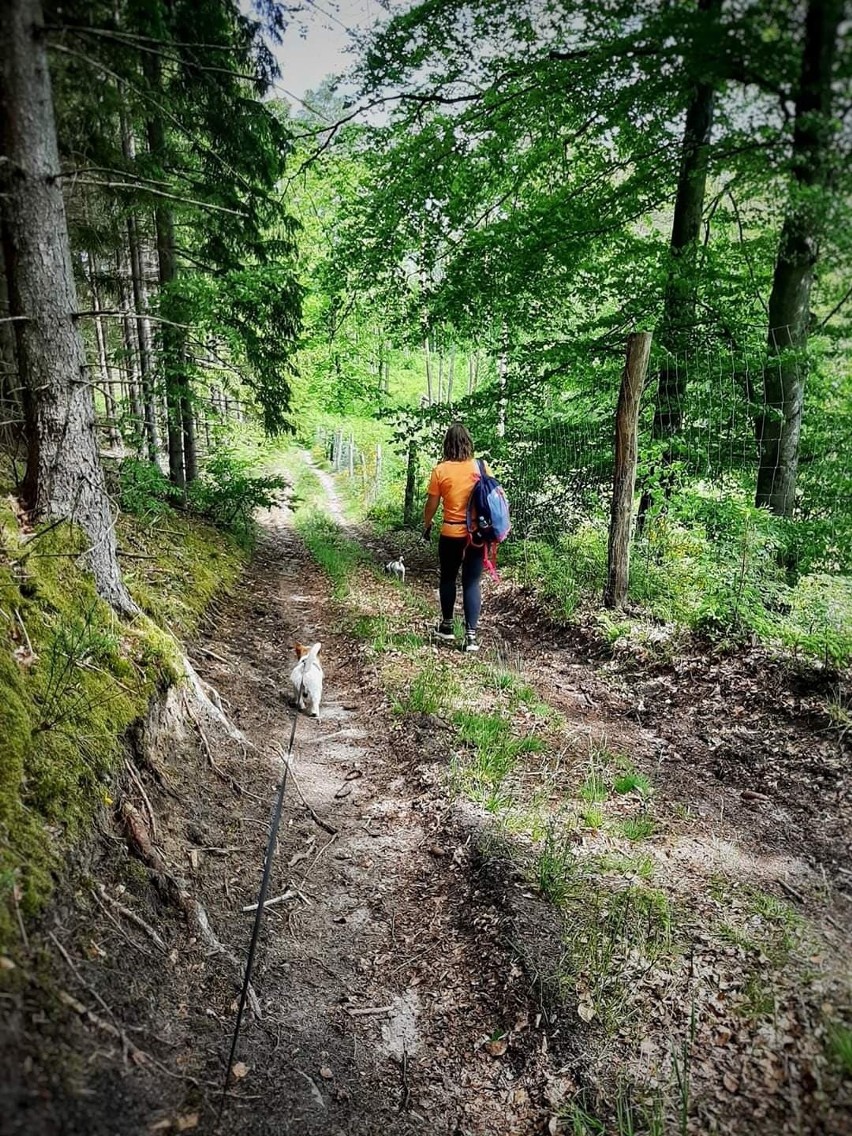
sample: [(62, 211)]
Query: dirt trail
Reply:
[(377, 975)]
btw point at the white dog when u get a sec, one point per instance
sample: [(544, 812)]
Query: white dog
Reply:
[(396, 568), (306, 677)]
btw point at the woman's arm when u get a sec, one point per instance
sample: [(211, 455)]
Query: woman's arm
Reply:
[(433, 500)]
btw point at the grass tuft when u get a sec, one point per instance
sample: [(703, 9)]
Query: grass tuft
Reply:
[(638, 828), (840, 1048), (632, 782)]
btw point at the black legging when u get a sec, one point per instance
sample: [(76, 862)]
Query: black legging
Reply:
[(453, 553)]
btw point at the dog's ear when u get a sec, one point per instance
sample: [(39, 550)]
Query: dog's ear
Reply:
[(299, 649)]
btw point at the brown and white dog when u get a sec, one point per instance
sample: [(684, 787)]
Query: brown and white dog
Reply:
[(307, 676)]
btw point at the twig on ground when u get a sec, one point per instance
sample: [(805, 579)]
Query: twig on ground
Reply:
[(135, 919), (753, 795), (213, 655), (205, 744), (26, 636), (137, 781), (20, 919), (791, 891), (313, 862), (175, 892), (139, 1056), (217, 769), (317, 819), (79, 977), (288, 894), (317, 1095), (127, 938), (829, 919), (368, 1011), (196, 911), (406, 1091), (410, 960)]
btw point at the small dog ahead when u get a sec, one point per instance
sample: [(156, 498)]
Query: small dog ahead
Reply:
[(396, 568), (306, 677)]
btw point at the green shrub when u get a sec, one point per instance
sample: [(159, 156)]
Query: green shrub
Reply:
[(228, 494), (144, 490)]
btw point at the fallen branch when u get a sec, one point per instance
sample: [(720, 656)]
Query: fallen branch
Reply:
[(205, 744), (288, 894), (202, 923), (127, 938), (313, 862), (79, 977), (791, 891), (368, 1011), (139, 1056)]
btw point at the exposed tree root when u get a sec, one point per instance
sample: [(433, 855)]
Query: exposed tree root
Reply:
[(176, 892)]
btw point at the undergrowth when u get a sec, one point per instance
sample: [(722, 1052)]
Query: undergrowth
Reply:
[(729, 585)]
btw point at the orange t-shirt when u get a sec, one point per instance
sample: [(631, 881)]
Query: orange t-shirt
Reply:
[(453, 482)]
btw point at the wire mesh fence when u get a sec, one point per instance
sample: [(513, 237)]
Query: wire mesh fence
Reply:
[(704, 439)]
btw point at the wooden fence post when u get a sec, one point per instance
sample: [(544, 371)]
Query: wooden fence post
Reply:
[(624, 478)]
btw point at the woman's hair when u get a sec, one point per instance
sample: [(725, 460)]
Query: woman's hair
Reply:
[(458, 444)]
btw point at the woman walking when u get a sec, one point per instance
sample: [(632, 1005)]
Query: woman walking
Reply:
[(451, 484)]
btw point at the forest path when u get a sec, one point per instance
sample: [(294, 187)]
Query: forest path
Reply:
[(384, 977)]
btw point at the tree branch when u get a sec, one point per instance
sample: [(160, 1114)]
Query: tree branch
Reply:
[(158, 193)]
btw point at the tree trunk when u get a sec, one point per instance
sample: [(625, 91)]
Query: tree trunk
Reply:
[(131, 344), (144, 339), (64, 475), (140, 305), (428, 372), (11, 411), (502, 368), (103, 357), (779, 425), (173, 339), (190, 450), (450, 373), (624, 476), (410, 485), (681, 284)]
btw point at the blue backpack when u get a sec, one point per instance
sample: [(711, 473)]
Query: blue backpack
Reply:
[(487, 517)]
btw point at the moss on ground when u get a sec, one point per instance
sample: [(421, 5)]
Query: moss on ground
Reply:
[(74, 677)]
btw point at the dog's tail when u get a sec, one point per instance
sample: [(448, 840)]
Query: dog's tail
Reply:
[(312, 654)]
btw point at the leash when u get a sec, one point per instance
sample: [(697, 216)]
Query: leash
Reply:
[(261, 900)]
